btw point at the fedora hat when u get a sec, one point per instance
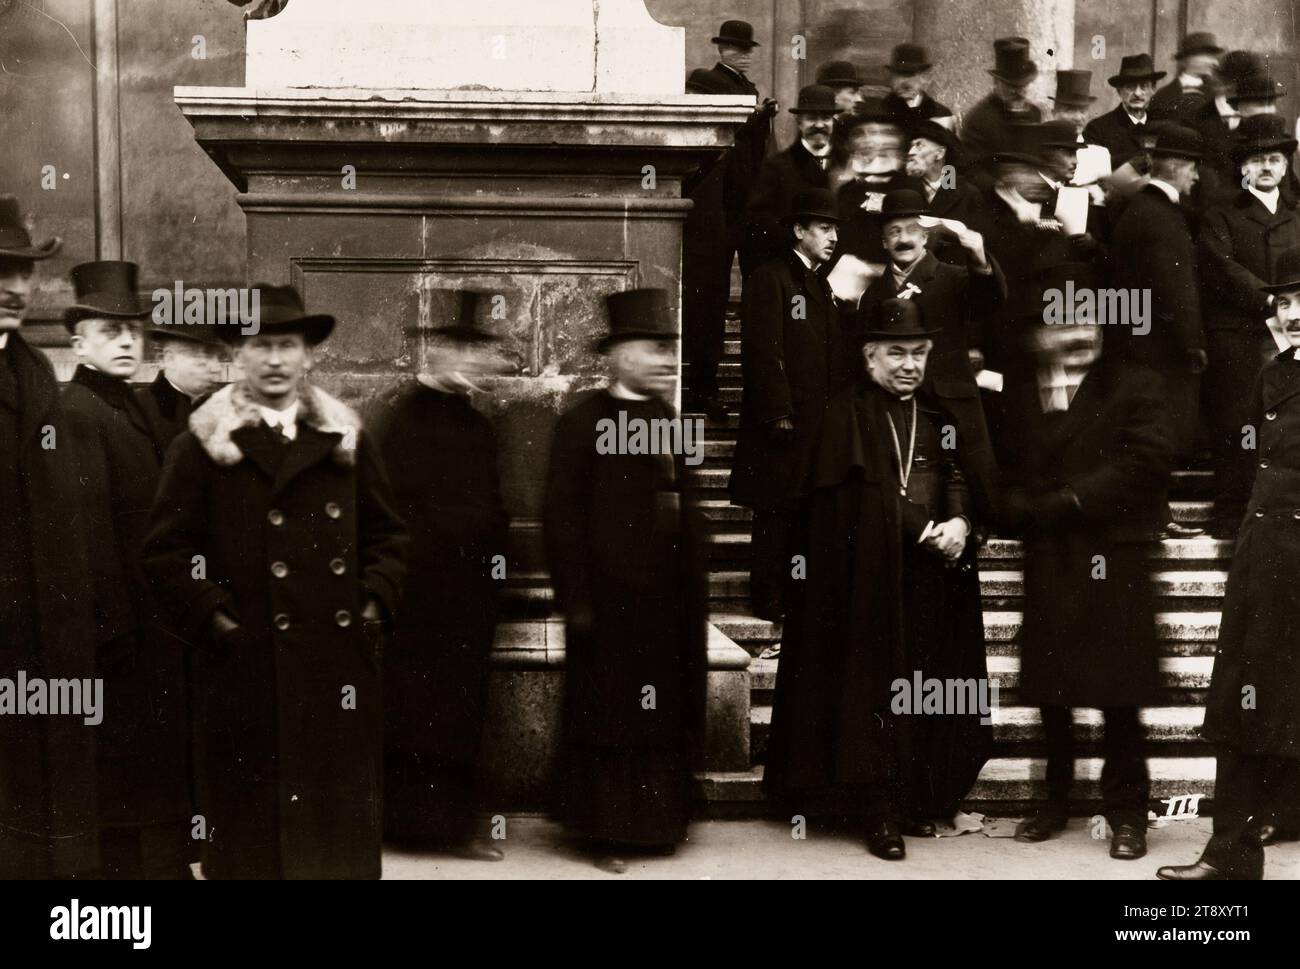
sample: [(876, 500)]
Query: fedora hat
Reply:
[(1200, 42), (839, 74), (15, 242), (1286, 273), (461, 321), (898, 319), (736, 33), (1135, 68), (1176, 141), (908, 59), (815, 203), (1261, 133), (105, 288), (1259, 86), (1011, 61), (815, 99), (281, 310), (638, 314), (1072, 89), (901, 203)]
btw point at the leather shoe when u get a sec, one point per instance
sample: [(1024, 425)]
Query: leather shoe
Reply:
[(918, 828), (479, 850), (885, 841), (1199, 872), (1039, 828), (1128, 843)]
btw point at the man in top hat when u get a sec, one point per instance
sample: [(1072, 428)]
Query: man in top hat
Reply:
[(715, 225), (623, 547), (441, 454), (193, 363), (955, 301), (1081, 479), (274, 545), (1240, 243), (791, 357), (142, 755), (1251, 713), (932, 157), (1197, 59), (1072, 103), (47, 763), (842, 78), (909, 88), (891, 596), (802, 166), (986, 128), (1153, 251), (1123, 131)]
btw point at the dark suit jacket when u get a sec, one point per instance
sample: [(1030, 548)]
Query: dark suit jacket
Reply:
[(782, 176), (1239, 244), (986, 128), (1116, 132), (928, 108), (860, 230), (751, 139)]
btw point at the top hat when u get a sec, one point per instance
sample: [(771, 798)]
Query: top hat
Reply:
[(817, 203), (1261, 133), (1012, 62), (1176, 141), (463, 322), (898, 319), (106, 288), (206, 333), (1200, 42), (1238, 64), (281, 310), (908, 59), (736, 33), (1259, 86), (15, 242), (1286, 272), (1135, 68), (1072, 89), (815, 99), (638, 314), (839, 74), (1057, 134), (901, 203)]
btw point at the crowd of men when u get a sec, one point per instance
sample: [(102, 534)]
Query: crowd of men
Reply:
[(927, 359)]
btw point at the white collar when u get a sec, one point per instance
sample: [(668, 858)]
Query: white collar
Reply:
[(803, 259), (1165, 187), (1133, 118), (915, 100), (724, 64), (824, 153), (1189, 80), (1225, 109), (286, 419), (191, 397), (4, 340), (1268, 198), (619, 391), (1056, 186)]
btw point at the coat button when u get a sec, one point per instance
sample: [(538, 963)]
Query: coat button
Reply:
[(1264, 464), (1271, 416), (343, 618), (1296, 514), (333, 510), (281, 622), (1259, 512), (279, 570), (275, 517), (338, 566)]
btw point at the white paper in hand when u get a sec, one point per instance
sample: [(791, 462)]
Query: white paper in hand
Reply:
[(989, 380), (951, 225), (850, 278), (1072, 209)]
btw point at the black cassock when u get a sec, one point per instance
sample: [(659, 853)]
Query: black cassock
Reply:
[(441, 455), (876, 607), (621, 541)]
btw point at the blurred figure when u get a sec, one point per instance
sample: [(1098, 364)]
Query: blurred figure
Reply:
[(986, 128), (878, 149), (1179, 100), (909, 88), (1072, 103), (1216, 121), (932, 157)]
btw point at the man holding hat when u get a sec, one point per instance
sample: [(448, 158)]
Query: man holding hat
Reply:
[(891, 595), (142, 755), (791, 356), (274, 545), (623, 548), (1197, 59), (1251, 713), (441, 454), (909, 85), (47, 763), (985, 129), (1240, 243), (193, 362), (1123, 131), (804, 165)]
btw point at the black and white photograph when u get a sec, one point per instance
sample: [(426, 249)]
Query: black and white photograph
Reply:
[(651, 440)]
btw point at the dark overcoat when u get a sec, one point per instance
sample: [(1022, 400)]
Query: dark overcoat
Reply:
[(47, 801), (143, 752), (987, 128), (1116, 132), (964, 203), (166, 411), (928, 108), (858, 203), (292, 540), (781, 177), (1239, 243), (1252, 704), (792, 357)]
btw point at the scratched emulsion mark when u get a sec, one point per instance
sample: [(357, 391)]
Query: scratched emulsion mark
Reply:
[(28, 28)]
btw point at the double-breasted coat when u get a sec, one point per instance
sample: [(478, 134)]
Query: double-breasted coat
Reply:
[(290, 539), (47, 628)]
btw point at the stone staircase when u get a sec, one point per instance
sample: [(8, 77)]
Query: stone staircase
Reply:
[(1189, 574)]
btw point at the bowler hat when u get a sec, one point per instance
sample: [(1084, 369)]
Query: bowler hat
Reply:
[(839, 74), (462, 320), (1261, 133), (208, 333), (638, 314), (813, 203), (1011, 60), (736, 33), (901, 203), (898, 319), (1238, 64), (1260, 86), (931, 130), (1176, 141), (1286, 272), (1021, 145), (908, 59), (15, 242), (1198, 43), (1135, 68), (1058, 134), (106, 288), (281, 310), (815, 99), (1072, 89)]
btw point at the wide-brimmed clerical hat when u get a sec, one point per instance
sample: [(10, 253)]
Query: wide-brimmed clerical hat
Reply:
[(1011, 61), (1259, 134), (460, 317), (105, 288), (1201, 42), (15, 241), (908, 59), (736, 33), (1134, 69), (1286, 272), (815, 99), (1073, 87), (898, 319), (638, 314), (281, 310)]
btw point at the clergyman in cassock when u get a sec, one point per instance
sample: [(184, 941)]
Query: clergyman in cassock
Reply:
[(274, 544), (143, 747), (441, 454), (47, 763), (193, 361), (1251, 713), (622, 544), (890, 601)]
